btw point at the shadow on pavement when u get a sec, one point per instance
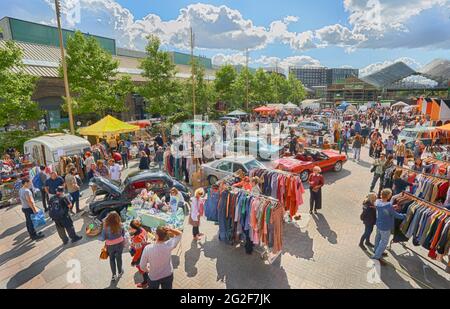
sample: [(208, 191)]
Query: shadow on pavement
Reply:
[(237, 269), (191, 258), (297, 243), (12, 230), (324, 228), (332, 177), (34, 269), (17, 250), (425, 276)]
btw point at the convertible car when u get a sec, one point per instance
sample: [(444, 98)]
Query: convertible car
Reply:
[(304, 163), (111, 196)]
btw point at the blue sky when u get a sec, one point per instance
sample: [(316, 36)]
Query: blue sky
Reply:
[(365, 34)]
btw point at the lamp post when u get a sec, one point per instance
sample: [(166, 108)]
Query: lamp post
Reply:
[(64, 67)]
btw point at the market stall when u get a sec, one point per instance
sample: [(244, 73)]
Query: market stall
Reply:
[(107, 127)]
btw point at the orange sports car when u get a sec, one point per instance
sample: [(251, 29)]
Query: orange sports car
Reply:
[(304, 163)]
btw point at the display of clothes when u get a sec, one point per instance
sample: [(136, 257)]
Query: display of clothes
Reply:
[(283, 186), (427, 225), (430, 188), (438, 167), (66, 161), (240, 214)]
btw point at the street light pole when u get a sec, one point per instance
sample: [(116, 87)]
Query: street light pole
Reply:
[(64, 67)]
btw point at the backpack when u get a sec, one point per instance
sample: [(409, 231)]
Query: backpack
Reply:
[(56, 209), (37, 183)]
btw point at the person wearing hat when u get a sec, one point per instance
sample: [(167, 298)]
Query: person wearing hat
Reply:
[(59, 206)]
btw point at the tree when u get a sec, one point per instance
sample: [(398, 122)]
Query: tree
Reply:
[(239, 88), (93, 77), (203, 95), (16, 88), (223, 83), (160, 89), (279, 88), (261, 89), (297, 92)]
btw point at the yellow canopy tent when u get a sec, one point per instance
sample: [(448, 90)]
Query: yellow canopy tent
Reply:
[(108, 126)]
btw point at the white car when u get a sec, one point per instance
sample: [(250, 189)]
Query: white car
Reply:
[(215, 170), (312, 126)]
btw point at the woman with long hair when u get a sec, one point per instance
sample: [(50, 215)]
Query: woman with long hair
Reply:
[(369, 218), (113, 234), (144, 163), (196, 212)]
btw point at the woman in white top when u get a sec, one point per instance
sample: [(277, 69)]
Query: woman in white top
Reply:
[(196, 211)]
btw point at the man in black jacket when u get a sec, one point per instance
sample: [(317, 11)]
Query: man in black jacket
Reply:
[(59, 206)]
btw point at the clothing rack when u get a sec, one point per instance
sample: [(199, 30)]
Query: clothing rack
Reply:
[(264, 252), (422, 173), (418, 199)]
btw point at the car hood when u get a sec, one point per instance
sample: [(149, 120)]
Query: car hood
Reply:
[(106, 185), (290, 163)]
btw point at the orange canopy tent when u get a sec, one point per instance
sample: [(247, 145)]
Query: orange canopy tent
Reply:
[(265, 109)]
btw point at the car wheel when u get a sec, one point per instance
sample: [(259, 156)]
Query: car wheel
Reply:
[(212, 180), (338, 166), (304, 175)]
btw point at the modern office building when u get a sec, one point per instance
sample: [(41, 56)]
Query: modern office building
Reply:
[(310, 77), (340, 74), (322, 76), (42, 56)]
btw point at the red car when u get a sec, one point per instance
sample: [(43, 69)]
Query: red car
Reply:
[(304, 163)]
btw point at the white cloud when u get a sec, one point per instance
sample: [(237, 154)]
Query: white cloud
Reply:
[(374, 67), (371, 24), (285, 63), (233, 59)]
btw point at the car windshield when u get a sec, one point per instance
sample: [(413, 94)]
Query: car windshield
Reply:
[(253, 164), (407, 133)]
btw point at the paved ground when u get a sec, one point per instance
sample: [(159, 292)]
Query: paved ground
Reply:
[(320, 252)]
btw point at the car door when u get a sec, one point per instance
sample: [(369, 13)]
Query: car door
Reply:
[(223, 169), (239, 166), (324, 161)]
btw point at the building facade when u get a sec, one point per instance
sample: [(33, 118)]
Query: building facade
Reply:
[(320, 76)]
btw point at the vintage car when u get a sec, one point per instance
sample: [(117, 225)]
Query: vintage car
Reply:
[(111, 196), (218, 169), (304, 163)]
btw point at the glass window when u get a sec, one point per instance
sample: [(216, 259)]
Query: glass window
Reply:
[(225, 166), (237, 166), (253, 164)]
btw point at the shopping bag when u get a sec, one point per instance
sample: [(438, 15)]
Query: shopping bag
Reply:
[(38, 219)]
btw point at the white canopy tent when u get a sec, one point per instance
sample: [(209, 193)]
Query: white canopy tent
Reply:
[(399, 105)]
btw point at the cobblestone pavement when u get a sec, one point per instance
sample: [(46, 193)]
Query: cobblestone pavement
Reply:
[(320, 251)]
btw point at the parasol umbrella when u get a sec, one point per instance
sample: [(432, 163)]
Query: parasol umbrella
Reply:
[(237, 113), (264, 109), (343, 105), (290, 106)]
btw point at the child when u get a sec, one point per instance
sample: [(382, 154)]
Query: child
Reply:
[(137, 244)]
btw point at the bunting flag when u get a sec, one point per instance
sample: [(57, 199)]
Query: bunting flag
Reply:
[(444, 114), (424, 106), (435, 110)]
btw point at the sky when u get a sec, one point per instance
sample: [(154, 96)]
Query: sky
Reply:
[(363, 34)]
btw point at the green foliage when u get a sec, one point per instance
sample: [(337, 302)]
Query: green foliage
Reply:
[(297, 92), (17, 138), (223, 84), (16, 88), (161, 89), (261, 91), (94, 80), (240, 89)]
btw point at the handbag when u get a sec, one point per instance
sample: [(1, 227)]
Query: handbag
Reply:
[(372, 170), (38, 219), (104, 253)]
